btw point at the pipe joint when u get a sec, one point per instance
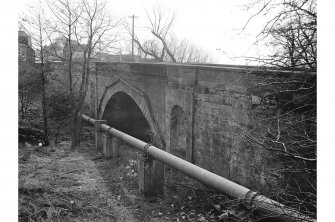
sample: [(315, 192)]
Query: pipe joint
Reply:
[(249, 199), (146, 156), (107, 131)]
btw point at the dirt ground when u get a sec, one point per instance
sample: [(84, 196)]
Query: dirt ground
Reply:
[(56, 184)]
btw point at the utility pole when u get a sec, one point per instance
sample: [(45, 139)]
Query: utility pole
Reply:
[(132, 37)]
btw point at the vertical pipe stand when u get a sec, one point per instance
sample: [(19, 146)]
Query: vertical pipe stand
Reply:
[(150, 176), (99, 135), (110, 146)]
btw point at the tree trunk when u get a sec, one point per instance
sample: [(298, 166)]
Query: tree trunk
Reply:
[(44, 103), (74, 133), (44, 107)]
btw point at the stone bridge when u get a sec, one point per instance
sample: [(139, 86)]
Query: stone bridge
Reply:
[(193, 111)]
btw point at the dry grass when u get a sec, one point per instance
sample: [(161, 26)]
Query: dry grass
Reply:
[(58, 185)]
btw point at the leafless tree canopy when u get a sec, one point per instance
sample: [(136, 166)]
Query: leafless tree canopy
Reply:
[(290, 31), (36, 23), (288, 91), (164, 45), (82, 25)]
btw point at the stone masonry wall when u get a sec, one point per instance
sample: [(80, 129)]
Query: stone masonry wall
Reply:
[(218, 105), (223, 105)]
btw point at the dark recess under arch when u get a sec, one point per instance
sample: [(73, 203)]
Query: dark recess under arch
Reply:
[(122, 113)]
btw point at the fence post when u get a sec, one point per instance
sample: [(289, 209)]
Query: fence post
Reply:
[(99, 135), (150, 176), (110, 146)]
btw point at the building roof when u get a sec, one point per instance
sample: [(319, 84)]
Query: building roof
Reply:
[(23, 33)]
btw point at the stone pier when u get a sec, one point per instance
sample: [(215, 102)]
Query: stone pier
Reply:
[(110, 146), (99, 135), (150, 176)]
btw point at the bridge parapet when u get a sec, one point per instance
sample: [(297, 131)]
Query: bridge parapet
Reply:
[(203, 76), (149, 69)]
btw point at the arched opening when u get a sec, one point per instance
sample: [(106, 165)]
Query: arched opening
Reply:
[(178, 132), (122, 113)]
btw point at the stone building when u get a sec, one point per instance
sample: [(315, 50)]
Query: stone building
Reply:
[(26, 52), (59, 50)]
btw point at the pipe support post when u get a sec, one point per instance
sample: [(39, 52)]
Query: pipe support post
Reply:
[(99, 135)]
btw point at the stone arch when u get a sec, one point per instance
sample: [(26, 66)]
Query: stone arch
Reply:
[(178, 135), (141, 100)]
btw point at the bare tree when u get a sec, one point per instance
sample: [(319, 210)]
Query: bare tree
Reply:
[(66, 16), (186, 52), (291, 32), (36, 23), (164, 46), (78, 23), (287, 91), (29, 89)]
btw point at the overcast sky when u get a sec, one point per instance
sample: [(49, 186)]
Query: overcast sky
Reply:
[(214, 25), (211, 24)]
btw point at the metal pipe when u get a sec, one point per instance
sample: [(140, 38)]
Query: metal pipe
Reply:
[(272, 208), (218, 183), (87, 118)]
